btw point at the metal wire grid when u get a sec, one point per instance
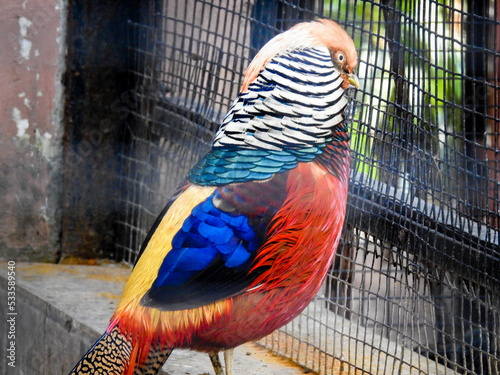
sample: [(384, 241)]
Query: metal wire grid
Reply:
[(414, 287)]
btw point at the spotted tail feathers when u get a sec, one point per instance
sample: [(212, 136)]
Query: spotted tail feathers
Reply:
[(112, 353)]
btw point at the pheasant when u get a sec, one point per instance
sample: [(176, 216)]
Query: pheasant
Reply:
[(247, 239)]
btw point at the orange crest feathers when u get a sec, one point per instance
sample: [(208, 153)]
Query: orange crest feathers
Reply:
[(320, 33)]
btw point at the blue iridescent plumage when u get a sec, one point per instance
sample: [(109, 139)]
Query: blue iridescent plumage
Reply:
[(207, 234)]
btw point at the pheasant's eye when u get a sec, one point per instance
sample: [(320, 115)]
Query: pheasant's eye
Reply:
[(340, 57)]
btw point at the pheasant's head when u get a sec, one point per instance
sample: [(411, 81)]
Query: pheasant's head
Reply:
[(321, 33)]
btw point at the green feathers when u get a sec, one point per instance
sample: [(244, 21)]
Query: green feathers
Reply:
[(225, 166)]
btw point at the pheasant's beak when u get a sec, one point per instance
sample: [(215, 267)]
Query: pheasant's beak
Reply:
[(353, 80)]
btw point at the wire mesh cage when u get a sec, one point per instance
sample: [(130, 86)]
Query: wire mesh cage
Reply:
[(414, 287)]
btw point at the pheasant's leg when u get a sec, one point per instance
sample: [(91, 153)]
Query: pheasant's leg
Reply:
[(216, 363), (228, 361)]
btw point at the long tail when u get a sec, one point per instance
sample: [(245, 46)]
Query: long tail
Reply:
[(112, 354)]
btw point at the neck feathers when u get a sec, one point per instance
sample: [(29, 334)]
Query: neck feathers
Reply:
[(295, 102)]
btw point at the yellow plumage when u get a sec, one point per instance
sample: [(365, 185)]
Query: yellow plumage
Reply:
[(146, 269)]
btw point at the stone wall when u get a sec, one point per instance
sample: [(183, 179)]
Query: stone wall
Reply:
[(31, 106)]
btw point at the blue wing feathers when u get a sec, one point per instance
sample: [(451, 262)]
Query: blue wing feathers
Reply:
[(206, 235), (212, 254), (238, 257), (217, 235), (236, 221)]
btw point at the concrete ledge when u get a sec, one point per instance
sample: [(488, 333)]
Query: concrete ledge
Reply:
[(62, 309)]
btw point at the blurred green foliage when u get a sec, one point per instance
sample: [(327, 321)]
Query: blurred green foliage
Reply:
[(429, 40)]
